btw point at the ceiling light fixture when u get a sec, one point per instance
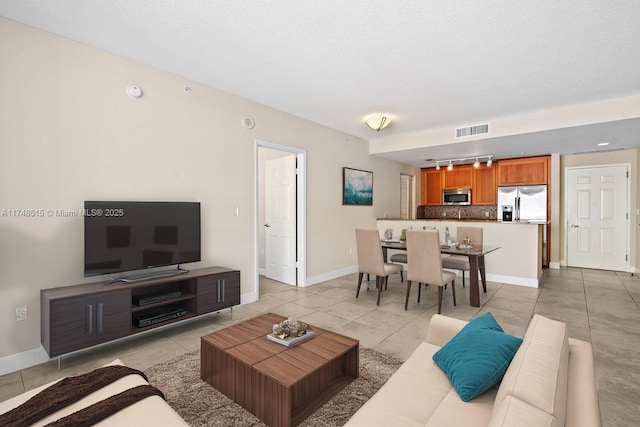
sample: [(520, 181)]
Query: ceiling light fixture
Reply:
[(463, 160), (377, 122), (603, 144)]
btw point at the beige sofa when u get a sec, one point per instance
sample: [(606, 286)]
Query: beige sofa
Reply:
[(549, 382), (152, 411)]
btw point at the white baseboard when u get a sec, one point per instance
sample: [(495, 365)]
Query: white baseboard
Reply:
[(330, 275), (26, 359)]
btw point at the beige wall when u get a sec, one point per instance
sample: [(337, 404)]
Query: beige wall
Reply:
[(69, 133), (626, 157)]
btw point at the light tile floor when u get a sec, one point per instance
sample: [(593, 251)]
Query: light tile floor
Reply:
[(599, 306)]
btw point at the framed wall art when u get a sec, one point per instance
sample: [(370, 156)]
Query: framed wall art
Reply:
[(357, 187)]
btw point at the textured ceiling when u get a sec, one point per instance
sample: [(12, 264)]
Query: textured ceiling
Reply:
[(431, 64)]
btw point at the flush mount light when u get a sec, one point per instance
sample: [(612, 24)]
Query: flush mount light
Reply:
[(603, 144), (134, 91), (377, 122)]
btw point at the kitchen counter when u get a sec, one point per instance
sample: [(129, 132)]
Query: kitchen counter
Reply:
[(517, 262)]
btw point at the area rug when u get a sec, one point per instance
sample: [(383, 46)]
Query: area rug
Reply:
[(199, 404)]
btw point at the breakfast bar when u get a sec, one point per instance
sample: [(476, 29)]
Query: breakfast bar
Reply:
[(519, 260)]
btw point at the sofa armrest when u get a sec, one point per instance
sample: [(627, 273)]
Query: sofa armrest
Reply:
[(582, 394), (443, 328)]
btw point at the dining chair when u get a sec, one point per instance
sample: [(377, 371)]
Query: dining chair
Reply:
[(425, 265), (399, 258), (461, 262), (371, 261)]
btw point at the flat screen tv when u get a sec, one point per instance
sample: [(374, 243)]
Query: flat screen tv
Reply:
[(127, 236)]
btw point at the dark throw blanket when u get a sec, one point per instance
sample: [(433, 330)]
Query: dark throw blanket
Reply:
[(72, 389)]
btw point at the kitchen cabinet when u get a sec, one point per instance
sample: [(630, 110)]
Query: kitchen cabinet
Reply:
[(523, 171), (458, 177), (484, 189), (431, 187)]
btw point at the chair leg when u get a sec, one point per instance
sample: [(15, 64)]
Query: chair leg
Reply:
[(419, 291), (379, 284), (386, 282), (462, 278), (440, 299), (453, 291), (359, 283), (406, 301), (401, 277)]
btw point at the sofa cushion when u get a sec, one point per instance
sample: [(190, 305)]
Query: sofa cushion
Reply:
[(538, 374), (410, 397), (516, 413), (477, 357)]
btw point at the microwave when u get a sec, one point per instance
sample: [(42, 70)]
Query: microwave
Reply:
[(461, 196)]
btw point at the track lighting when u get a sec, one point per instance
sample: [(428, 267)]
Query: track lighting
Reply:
[(461, 160)]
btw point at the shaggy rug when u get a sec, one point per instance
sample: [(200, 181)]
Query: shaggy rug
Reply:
[(202, 405)]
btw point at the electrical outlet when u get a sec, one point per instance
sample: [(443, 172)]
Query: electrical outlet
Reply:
[(21, 313), (486, 214)]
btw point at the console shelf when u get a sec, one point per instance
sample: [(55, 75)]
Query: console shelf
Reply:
[(80, 316)]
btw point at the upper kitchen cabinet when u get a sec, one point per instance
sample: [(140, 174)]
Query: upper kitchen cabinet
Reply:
[(458, 177), (484, 186), (523, 171), (431, 187)]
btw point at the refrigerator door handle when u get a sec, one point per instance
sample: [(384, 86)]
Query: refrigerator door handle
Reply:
[(517, 207)]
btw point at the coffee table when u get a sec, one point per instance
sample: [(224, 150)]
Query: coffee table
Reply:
[(280, 385)]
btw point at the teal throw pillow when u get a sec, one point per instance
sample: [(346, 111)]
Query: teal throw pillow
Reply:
[(477, 357)]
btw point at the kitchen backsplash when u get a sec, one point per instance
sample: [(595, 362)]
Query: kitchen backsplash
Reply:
[(455, 212)]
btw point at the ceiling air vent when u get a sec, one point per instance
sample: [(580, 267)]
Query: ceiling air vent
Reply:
[(472, 130)]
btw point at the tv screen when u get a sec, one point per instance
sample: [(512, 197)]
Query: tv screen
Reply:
[(127, 236)]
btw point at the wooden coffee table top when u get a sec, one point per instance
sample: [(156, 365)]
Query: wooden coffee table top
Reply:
[(247, 342)]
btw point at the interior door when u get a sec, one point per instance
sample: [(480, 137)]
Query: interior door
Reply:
[(597, 217), (280, 219)]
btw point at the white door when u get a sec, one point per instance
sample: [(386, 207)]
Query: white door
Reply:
[(280, 219), (597, 217)]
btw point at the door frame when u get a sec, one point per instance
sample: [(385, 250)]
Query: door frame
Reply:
[(565, 219), (301, 210)]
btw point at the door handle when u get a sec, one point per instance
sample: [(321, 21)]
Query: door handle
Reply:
[(574, 226), (267, 225)]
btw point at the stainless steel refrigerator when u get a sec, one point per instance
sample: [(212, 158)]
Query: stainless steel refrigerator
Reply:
[(529, 202)]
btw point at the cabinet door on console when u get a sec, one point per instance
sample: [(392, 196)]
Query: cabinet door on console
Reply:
[(218, 291), (83, 321), (72, 324), (113, 315)]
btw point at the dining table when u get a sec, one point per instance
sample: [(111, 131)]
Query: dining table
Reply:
[(474, 253)]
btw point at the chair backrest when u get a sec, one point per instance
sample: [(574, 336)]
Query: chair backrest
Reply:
[(474, 233), (423, 255), (370, 259)]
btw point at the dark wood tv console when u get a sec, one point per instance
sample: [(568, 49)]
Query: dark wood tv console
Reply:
[(80, 316)]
